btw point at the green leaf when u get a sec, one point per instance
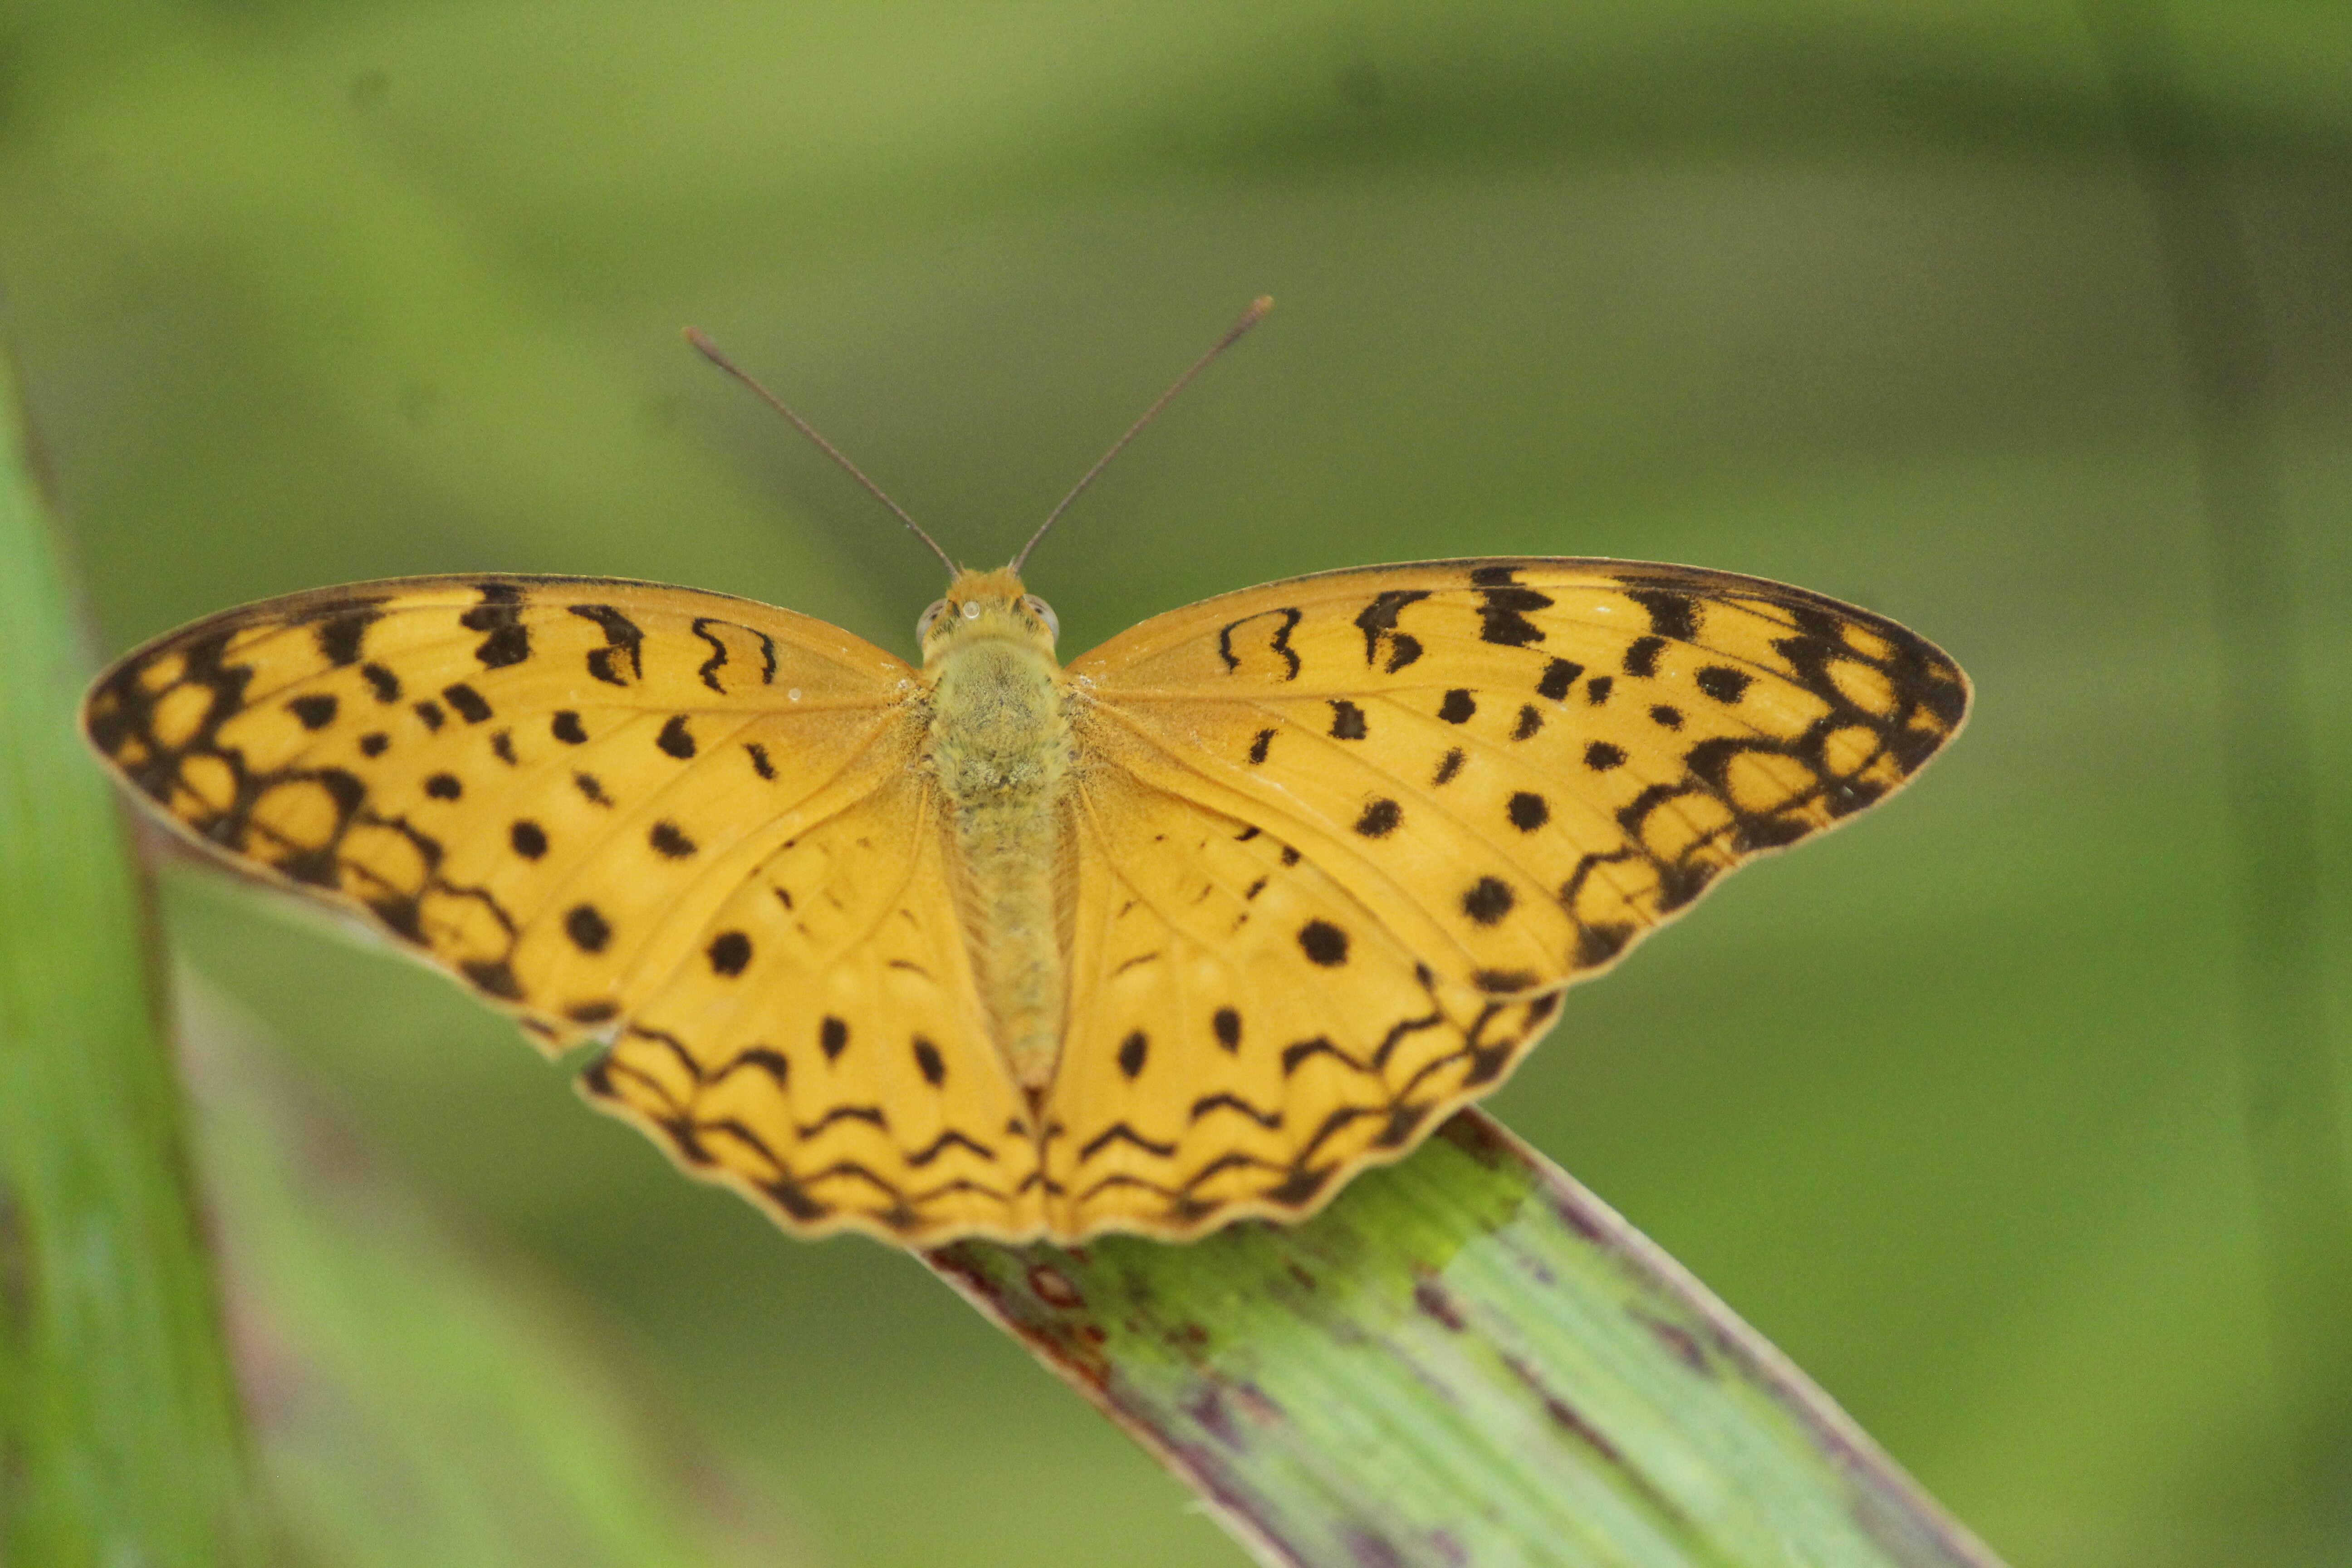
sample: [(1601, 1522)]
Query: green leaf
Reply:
[(1466, 1359), (119, 1429)]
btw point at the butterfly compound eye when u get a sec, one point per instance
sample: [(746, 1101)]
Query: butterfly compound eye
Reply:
[(923, 622), (1043, 612)]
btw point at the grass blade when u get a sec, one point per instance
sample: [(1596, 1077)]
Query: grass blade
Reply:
[(1466, 1358), (120, 1439)]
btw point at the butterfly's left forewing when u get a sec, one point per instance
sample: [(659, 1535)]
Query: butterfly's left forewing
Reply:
[(1505, 773)]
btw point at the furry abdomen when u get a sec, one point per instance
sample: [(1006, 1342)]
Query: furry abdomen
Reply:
[(1000, 747)]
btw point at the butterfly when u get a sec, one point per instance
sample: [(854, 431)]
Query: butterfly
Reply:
[(1190, 930)]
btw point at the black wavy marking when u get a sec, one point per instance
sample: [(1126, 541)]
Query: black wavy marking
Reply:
[(1121, 1132), (1402, 1113), (711, 666), (1377, 621), (1280, 642), (1209, 1102), (896, 1208)]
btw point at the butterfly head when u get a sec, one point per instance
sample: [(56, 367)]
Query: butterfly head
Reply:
[(984, 606)]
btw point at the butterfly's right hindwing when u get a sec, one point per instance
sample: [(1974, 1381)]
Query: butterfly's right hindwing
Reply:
[(821, 1046)]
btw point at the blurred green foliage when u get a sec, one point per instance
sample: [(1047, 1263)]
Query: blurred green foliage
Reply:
[(1861, 296)]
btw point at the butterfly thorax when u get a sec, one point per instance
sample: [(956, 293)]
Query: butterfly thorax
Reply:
[(1000, 746)]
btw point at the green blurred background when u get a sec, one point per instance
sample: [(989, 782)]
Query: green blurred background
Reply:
[(1869, 297)]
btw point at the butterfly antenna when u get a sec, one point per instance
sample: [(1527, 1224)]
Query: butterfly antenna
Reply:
[(710, 351), (1233, 335)]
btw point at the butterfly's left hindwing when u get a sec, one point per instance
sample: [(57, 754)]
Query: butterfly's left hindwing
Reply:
[(821, 1048)]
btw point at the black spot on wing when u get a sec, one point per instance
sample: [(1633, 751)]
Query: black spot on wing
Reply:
[(587, 928), (670, 841), (1560, 675), (1672, 614), (340, 636), (676, 739), (1529, 811), (1596, 690), (622, 641), (467, 702), (1641, 656), (1347, 721), (315, 711), (381, 681), (1132, 1051), (565, 727), (374, 743), (1324, 943), (444, 786), (1600, 756), (1227, 1025), (429, 713), (1258, 746), (1504, 608), (500, 614), (929, 1063), (1377, 621), (1530, 719), (1448, 766), (1724, 683), (1458, 706), (529, 838), (1380, 818), (832, 1038), (731, 954), (1489, 899), (760, 763)]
